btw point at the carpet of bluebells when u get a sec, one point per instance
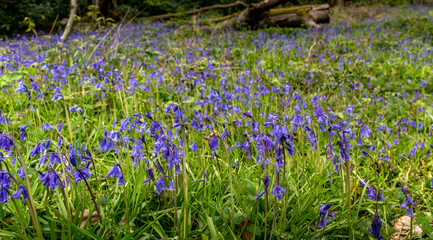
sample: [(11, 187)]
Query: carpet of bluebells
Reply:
[(148, 131)]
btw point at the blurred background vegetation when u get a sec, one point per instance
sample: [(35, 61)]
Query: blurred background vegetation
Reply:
[(17, 16)]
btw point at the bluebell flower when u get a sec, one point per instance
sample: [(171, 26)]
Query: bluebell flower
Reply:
[(6, 142), (204, 177), (81, 174), (77, 109), (374, 195), (375, 227), (3, 195), (22, 88), (50, 179), (21, 191), (4, 119), (213, 143), (365, 131), (196, 125), (20, 172), (278, 192), (423, 83), (23, 132), (160, 186), (54, 158), (247, 114), (324, 215), (149, 171), (57, 95), (115, 172), (47, 126), (194, 147), (225, 133), (405, 203), (5, 181), (266, 184)]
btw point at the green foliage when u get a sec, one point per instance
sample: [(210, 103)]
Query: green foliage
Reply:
[(41, 12)]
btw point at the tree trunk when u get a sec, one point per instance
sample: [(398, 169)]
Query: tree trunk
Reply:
[(70, 22)]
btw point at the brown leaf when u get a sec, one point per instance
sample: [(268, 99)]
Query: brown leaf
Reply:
[(246, 234), (123, 221), (402, 226), (85, 215)]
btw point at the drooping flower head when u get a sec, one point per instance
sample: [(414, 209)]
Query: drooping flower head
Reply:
[(116, 172), (278, 192), (375, 227), (324, 215), (408, 203)]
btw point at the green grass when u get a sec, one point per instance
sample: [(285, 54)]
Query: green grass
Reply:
[(370, 64)]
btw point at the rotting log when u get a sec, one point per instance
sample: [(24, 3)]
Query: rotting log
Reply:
[(308, 15), (195, 11), (261, 15)]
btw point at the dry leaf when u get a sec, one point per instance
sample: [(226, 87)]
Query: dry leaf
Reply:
[(123, 221), (84, 217), (402, 226)]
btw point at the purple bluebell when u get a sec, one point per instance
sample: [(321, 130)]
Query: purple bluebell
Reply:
[(81, 174), (6, 142), (213, 143), (3, 118), (50, 179), (204, 176), (407, 202), (22, 88), (160, 186), (47, 126), (375, 227), (194, 147), (21, 191), (77, 109), (374, 195), (266, 184), (23, 132), (324, 215), (278, 192), (115, 172), (20, 172), (248, 115), (365, 131)]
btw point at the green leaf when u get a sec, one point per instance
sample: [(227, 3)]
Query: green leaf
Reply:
[(212, 228), (238, 218), (32, 71), (254, 230), (31, 171)]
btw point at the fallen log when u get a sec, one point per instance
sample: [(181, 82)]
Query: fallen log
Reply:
[(195, 11), (261, 15), (309, 16)]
